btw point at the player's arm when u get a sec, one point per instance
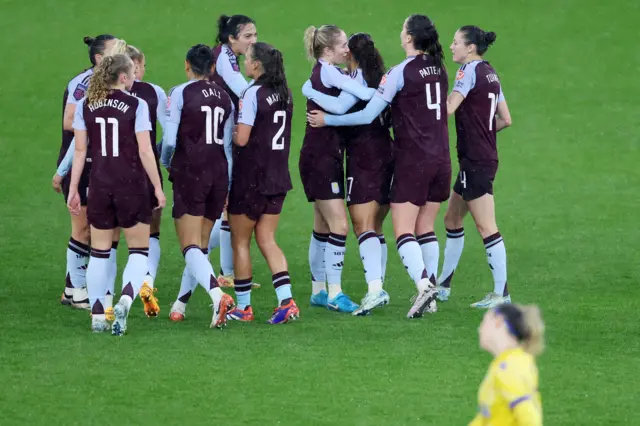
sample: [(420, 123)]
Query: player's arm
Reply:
[(335, 105), (231, 76), (79, 157), (147, 156), (515, 387), (503, 117), (69, 113), (67, 160), (246, 116), (366, 116), (332, 77), (170, 135), (465, 81), (228, 143), (76, 92), (161, 110)]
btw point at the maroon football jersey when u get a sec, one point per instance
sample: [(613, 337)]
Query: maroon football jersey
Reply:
[(263, 163), (146, 91), (203, 109), (73, 94), (478, 82), (320, 141), (111, 125), (417, 90)]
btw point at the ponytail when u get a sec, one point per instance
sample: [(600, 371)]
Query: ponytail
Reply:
[(525, 324), (425, 37), (475, 35), (365, 53), (96, 45), (105, 75), (273, 74), (119, 48), (317, 39), (134, 53)]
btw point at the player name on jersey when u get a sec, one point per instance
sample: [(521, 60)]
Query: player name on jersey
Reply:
[(211, 92), (427, 71), (113, 103)]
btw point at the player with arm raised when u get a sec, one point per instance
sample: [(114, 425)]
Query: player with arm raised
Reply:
[(261, 180), (369, 166), (200, 123), (117, 124), (235, 34), (75, 292), (509, 393), (480, 112), (422, 167)]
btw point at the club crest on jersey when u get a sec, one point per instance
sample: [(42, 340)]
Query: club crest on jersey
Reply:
[(80, 91), (460, 75), (383, 80)]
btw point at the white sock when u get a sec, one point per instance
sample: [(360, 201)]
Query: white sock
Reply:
[(282, 285), (112, 273), (242, 289), (226, 252), (384, 253), (214, 238), (334, 262), (77, 258), (317, 248), (452, 252), (135, 271), (154, 254), (430, 254), (216, 295), (371, 255), (187, 286), (199, 266), (97, 280), (497, 257), (411, 256)]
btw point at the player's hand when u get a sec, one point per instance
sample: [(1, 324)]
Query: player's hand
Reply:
[(234, 134), (56, 183), (226, 203), (162, 200), (307, 88), (316, 118), (73, 201)]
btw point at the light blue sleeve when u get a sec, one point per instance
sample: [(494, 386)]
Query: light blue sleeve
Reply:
[(169, 143), (373, 109), (248, 106), (161, 110), (358, 90), (67, 161), (231, 75), (465, 79), (335, 105), (78, 117), (228, 142), (391, 83), (142, 117), (501, 96)]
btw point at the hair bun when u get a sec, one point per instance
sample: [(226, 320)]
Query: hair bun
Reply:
[(88, 40), (490, 37)]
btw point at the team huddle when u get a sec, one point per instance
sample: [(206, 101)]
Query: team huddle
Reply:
[(225, 144)]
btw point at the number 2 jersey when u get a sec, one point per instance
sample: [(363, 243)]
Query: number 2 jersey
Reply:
[(263, 164), (111, 125), (478, 82), (417, 90)]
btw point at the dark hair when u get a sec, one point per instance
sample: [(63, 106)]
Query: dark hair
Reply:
[(525, 324), (476, 35), (273, 70), (365, 53), (96, 45), (231, 26), (425, 37), (200, 58)]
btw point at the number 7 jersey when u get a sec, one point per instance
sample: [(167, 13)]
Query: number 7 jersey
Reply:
[(478, 82)]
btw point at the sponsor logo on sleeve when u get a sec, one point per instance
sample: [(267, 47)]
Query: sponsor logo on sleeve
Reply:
[(459, 75), (80, 91), (383, 81)]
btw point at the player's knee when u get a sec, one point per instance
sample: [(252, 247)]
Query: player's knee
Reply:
[(486, 229), (340, 227), (81, 234), (452, 220)]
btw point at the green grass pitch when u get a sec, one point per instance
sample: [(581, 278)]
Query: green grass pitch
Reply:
[(567, 205)]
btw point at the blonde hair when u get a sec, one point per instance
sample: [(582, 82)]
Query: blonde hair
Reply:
[(525, 324), (118, 48), (134, 53), (317, 39), (107, 74)]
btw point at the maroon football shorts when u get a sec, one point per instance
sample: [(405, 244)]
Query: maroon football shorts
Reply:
[(421, 182), (475, 180), (124, 208), (322, 177), (83, 185), (198, 197), (253, 204), (368, 177)]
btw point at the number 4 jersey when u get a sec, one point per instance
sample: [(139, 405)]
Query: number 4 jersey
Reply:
[(478, 82), (263, 164), (111, 125)]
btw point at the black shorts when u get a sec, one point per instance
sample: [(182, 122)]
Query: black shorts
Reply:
[(195, 197), (475, 180), (322, 177), (83, 185), (253, 204), (124, 208)]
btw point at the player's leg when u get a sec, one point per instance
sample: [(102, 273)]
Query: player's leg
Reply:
[(75, 292), (383, 211), (363, 218), (241, 231), (426, 236), (335, 215), (97, 277), (404, 217), (226, 251), (453, 222), (137, 237), (265, 238), (112, 274), (154, 247), (483, 211), (214, 237), (317, 247)]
